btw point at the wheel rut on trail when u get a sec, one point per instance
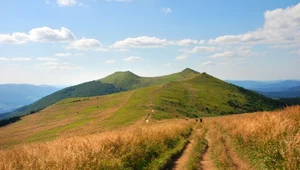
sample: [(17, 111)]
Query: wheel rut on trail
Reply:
[(236, 161), (206, 162), (181, 162)]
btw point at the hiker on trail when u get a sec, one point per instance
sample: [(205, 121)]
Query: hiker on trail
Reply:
[(200, 120)]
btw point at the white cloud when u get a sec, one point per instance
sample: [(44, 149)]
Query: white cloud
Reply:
[(280, 26), (63, 54), (15, 59), (42, 34), (122, 50), (87, 44), (51, 65), (186, 42), (202, 42), (168, 64), (79, 54), (4, 59), (285, 46), (66, 2), (229, 54), (181, 57), (140, 42), (167, 10), (200, 49), (51, 35), (109, 61), (296, 52), (208, 63), (46, 59), (132, 59)]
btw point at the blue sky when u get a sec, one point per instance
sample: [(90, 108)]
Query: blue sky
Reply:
[(73, 41)]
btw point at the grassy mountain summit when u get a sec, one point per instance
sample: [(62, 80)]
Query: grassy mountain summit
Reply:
[(129, 81), (117, 82)]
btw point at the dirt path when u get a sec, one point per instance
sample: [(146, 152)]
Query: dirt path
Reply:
[(236, 161), (207, 163), (149, 105), (181, 162)]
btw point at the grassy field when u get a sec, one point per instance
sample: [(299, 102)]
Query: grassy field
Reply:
[(148, 146), (261, 140), (264, 140)]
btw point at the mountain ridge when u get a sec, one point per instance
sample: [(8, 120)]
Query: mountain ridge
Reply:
[(116, 82)]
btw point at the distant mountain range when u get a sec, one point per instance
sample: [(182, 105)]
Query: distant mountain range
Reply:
[(273, 89), (13, 96)]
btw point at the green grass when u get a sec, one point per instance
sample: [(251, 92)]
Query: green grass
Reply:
[(134, 109), (54, 132)]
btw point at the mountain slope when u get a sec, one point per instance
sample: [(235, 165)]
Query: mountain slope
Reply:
[(93, 88), (13, 96), (119, 81), (202, 95)]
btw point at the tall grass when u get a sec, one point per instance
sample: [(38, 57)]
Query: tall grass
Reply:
[(131, 148), (270, 140)]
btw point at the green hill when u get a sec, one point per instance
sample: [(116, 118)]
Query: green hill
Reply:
[(117, 82), (199, 95)]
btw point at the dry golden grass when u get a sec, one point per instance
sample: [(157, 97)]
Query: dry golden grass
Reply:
[(267, 139), (132, 148)]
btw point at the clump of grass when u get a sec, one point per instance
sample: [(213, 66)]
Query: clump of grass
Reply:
[(131, 148), (270, 140)]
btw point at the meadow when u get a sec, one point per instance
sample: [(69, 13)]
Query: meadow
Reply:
[(262, 140), (147, 146)]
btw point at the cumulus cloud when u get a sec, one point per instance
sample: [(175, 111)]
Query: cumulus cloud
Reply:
[(122, 50), (208, 63), (202, 42), (66, 2), (280, 26), (51, 35), (109, 61), (46, 59), (42, 34), (166, 10), (52, 65), (140, 42), (200, 49), (186, 42), (297, 52), (230, 54), (181, 57), (15, 59), (86, 45), (132, 59), (63, 54)]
